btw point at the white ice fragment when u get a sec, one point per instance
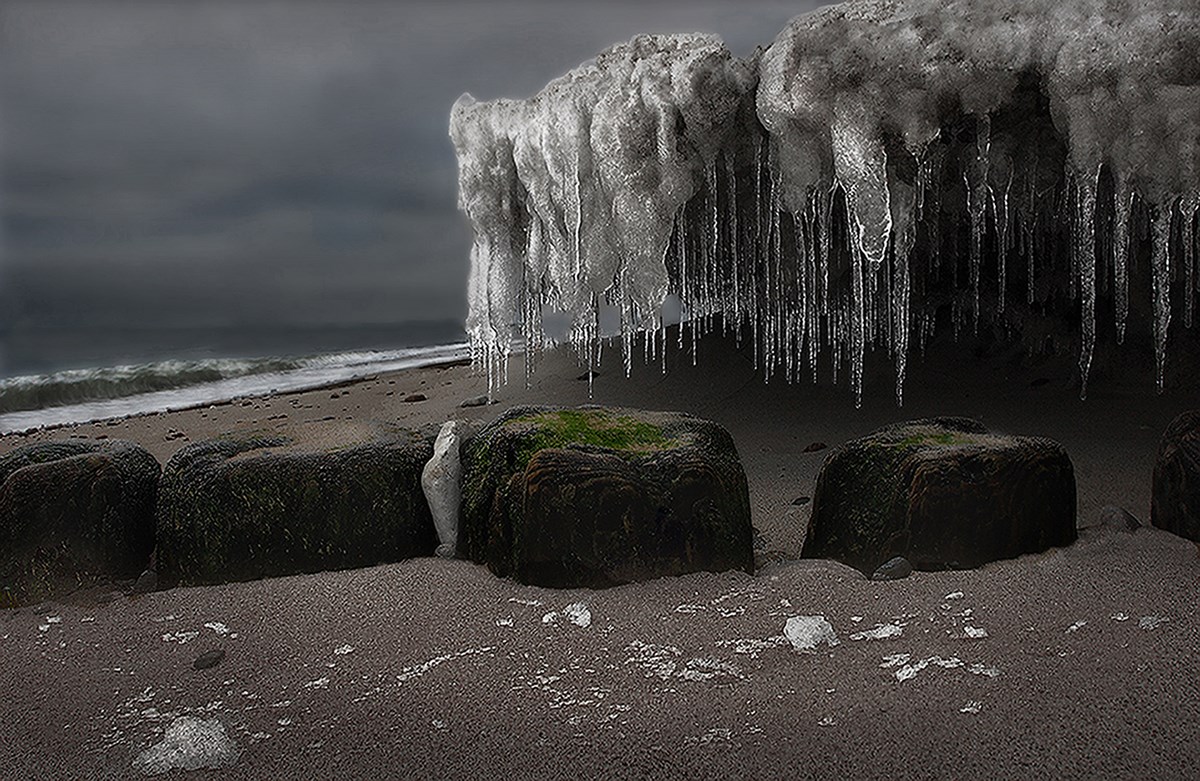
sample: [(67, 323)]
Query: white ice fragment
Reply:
[(1075, 627), (953, 595), (441, 480), (578, 614), (971, 706), (189, 743), (319, 683), (880, 632), (342, 650), (805, 633), (180, 637), (1119, 617), (53, 619), (508, 621), (1151, 622), (975, 632), (217, 627)]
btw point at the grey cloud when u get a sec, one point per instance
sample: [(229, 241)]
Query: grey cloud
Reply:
[(162, 162)]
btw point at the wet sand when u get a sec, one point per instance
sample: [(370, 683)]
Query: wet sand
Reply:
[(1075, 663)]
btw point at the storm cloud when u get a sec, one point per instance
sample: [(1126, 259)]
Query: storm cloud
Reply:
[(206, 163)]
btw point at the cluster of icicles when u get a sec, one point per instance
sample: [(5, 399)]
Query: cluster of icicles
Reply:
[(879, 163)]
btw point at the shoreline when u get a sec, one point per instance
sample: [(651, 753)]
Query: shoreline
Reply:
[(433, 668)]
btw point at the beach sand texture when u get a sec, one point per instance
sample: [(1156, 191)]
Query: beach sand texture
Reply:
[(1075, 663)]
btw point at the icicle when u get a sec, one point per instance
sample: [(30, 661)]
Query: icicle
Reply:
[(1085, 252), (1160, 265), (1189, 208), (1002, 239), (1123, 202), (978, 196)]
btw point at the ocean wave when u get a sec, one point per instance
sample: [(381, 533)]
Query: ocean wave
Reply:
[(92, 394)]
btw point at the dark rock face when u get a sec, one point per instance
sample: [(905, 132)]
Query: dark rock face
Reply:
[(247, 507), (74, 514), (943, 493), (595, 497), (1175, 496)]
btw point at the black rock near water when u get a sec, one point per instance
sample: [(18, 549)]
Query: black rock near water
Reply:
[(74, 514), (598, 497), (942, 493)]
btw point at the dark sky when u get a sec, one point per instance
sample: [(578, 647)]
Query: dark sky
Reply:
[(175, 164)]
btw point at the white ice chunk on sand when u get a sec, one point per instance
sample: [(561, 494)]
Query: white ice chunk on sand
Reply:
[(578, 614), (441, 480), (1150, 622), (189, 743), (805, 633), (880, 632), (217, 627)]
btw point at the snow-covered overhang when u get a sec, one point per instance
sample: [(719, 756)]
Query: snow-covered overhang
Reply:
[(880, 165)]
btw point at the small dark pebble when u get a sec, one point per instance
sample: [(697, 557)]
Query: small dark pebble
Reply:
[(415, 397), (814, 447), (1039, 382), (801, 500), (208, 659), (478, 401), (893, 569)]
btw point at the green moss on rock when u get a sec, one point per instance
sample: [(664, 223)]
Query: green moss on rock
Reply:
[(596, 497), (941, 492)]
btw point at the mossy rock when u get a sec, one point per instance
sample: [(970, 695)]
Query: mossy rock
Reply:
[(943, 493), (73, 514), (248, 506), (595, 497), (1175, 492)]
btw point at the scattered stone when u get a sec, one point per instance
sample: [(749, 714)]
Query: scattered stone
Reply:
[(415, 397), (813, 447), (942, 493), (208, 659), (1175, 492), (441, 480), (477, 401), (248, 506), (590, 498), (896, 568), (74, 514), (800, 501), (1118, 519)]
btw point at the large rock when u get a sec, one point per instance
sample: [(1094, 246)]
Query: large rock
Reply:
[(330, 497), (595, 497), (74, 514), (1175, 494), (942, 493)]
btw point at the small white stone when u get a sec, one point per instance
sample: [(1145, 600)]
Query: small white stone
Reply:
[(805, 633)]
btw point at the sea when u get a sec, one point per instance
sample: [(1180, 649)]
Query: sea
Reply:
[(60, 376)]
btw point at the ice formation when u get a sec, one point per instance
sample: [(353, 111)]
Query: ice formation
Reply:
[(883, 165)]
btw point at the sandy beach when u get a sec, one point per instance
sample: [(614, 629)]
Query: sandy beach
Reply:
[(1075, 663)]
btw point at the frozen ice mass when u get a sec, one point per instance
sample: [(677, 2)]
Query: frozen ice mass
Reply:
[(880, 168)]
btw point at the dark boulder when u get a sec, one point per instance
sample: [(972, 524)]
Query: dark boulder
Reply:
[(1175, 494), (942, 493), (331, 497), (74, 514), (596, 497)]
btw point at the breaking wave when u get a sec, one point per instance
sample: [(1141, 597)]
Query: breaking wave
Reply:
[(79, 395)]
